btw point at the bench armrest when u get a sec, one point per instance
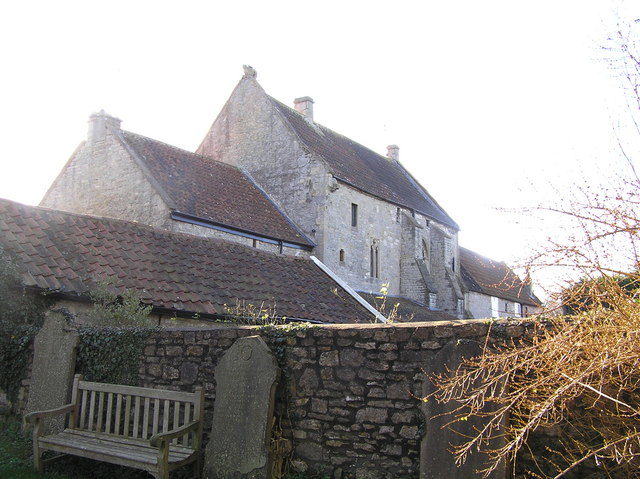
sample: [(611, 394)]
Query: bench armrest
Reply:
[(157, 439), (32, 417)]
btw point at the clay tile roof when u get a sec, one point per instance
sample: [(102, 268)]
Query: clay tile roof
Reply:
[(70, 253), (363, 168), (212, 191), (493, 278), (407, 310)]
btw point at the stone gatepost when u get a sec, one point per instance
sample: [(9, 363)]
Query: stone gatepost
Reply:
[(246, 379), (54, 361), (436, 457)]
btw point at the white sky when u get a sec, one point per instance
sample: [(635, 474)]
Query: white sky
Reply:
[(490, 102)]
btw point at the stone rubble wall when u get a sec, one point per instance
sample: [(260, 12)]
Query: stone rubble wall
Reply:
[(348, 395)]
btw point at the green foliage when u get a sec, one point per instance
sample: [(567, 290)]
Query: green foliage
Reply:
[(18, 305), (590, 293), (118, 310), (15, 340), (15, 452), (21, 313), (111, 355)]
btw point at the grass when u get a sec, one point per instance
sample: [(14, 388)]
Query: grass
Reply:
[(16, 461)]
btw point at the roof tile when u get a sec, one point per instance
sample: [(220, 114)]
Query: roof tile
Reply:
[(205, 273)]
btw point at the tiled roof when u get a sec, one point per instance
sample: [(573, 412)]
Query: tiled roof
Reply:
[(363, 168), (493, 278), (408, 310), (69, 253), (211, 190)]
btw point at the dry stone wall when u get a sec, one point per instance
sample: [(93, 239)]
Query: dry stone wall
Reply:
[(347, 399)]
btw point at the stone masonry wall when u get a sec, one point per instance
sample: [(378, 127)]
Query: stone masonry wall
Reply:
[(376, 222), (102, 179), (251, 134), (346, 400)]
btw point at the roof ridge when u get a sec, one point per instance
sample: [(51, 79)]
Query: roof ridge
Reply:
[(421, 190), (153, 229), (197, 155)]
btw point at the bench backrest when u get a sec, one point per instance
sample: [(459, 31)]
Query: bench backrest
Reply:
[(133, 412)]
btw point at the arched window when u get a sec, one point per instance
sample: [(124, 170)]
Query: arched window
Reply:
[(374, 261)]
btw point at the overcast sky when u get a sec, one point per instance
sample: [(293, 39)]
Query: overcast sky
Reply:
[(490, 102)]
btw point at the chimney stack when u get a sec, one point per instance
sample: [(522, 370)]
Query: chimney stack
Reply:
[(304, 106), (101, 124), (393, 152)]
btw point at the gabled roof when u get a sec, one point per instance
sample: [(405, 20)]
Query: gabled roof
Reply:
[(212, 191), (493, 278), (407, 310), (363, 168), (70, 253)]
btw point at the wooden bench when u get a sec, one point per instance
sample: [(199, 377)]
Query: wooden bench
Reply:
[(150, 429)]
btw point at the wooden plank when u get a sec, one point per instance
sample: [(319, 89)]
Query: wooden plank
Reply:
[(83, 409), (75, 399), (187, 420), (137, 391), (127, 416), (136, 416), (107, 426), (176, 418), (92, 404), (139, 453), (165, 416), (145, 419), (156, 416), (100, 411), (119, 439), (118, 411)]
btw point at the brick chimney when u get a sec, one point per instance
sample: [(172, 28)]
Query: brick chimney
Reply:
[(304, 106), (393, 152), (101, 124)]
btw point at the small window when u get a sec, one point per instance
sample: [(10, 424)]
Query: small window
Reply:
[(354, 214), (397, 215), (506, 307), (255, 243), (433, 301), (460, 307), (342, 256)]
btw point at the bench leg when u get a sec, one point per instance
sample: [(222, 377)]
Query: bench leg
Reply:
[(197, 467), (37, 454)]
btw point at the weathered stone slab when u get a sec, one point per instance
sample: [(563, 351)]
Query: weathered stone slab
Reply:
[(436, 458), (54, 360), (246, 380)]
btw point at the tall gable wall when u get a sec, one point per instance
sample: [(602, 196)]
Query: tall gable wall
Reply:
[(251, 134), (102, 179)]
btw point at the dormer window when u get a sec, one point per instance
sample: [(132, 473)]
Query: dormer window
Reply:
[(354, 214)]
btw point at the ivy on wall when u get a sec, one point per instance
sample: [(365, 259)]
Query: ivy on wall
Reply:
[(15, 342), (21, 314), (111, 355)]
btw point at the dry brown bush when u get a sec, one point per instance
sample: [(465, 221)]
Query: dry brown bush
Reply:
[(577, 378)]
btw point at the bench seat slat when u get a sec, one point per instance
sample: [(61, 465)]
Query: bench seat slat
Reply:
[(120, 439), (140, 452)]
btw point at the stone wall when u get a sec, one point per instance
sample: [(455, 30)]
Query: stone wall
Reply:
[(347, 398), (251, 134), (102, 179)]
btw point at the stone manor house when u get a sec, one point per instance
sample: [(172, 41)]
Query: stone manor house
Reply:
[(270, 178)]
